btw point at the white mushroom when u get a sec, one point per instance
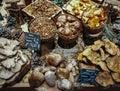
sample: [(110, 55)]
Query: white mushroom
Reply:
[(6, 74), (23, 57), (9, 63), (2, 57), (7, 52), (16, 68)]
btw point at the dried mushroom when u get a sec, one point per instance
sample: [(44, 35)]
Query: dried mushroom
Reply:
[(102, 53), (116, 77), (104, 79), (88, 11), (36, 79), (103, 66), (54, 59), (97, 45), (113, 63), (2, 57), (62, 73), (43, 26), (68, 25), (105, 56), (14, 62), (42, 8), (92, 56), (110, 47)]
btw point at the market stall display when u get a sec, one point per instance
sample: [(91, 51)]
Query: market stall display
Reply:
[(69, 43)]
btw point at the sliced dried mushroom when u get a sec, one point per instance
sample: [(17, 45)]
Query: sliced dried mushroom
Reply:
[(17, 68), (23, 57), (92, 56), (103, 66), (3, 42), (97, 45), (43, 8), (20, 62), (80, 57), (110, 47), (113, 63), (14, 64), (6, 74), (104, 79), (116, 77), (8, 52), (9, 63), (2, 57), (12, 45), (8, 44), (102, 53)]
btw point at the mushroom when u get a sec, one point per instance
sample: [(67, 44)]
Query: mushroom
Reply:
[(8, 52), (64, 84), (104, 79), (110, 47), (23, 57), (6, 74), (62, 73), (16, 68), (2, 57), (97, 45), (113, 63), (116, 76), (102, 53), (92, 56), (9, 63), (54, 59), (36, 79), (50, 78)]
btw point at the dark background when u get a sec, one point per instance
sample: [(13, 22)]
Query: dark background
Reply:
[(81, 89)]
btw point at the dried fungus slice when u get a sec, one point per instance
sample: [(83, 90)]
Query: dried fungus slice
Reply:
[(80, 57), (3, 42), (8, 52), (92, 56), (104, 79), (103, 66), (5, 74), (97, 45), (2, 57), (17, 68), (9, 63), (102, 53), (116, 77), (42, 8), (110, 47), (113, 63)]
